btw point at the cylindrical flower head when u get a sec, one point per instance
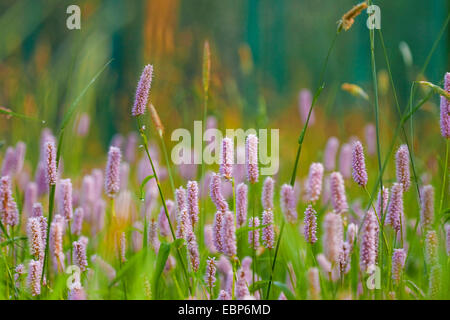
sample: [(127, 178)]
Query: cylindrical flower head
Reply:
[(65, 198), (251, 158), (395, 210), (112, 174), (8, 165), (210, 277), (241, 285), (352, 232), (241, 204), (435, 282), (36, 243), (398, 263), (359, 164), (253, 235), (310, 225), (330, 152), (427, 206), (333, 237), (288, 203), (371, 138), (338, 197), (431, 247), (228, 234), (314, 184), (402, 167), (368, 247), (209, 240), (192, 201), (50, 163), (268, 233), (56, 242), (223, 295), (77, 221), (192, 248), (345, 160), (76, 292), (142, 91), (8, 207), (153, 239), (445, 109), (314, 283), (123, 247), (217, 231), (382, 202), (180, 199), (216, 194), (184, 224), (79, 253), (267, 193), (34, 277), (227, 158)]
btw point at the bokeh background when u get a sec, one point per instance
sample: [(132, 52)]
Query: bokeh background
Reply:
[(263, 53)]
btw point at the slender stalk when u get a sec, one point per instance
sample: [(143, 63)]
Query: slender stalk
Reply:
[(161, 195), (51, 200), (299, 149)]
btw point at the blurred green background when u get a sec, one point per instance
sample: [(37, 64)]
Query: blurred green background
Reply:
[(263, 53)]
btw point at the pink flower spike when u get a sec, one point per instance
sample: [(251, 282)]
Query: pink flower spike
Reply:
[(251, 158), (253, 235), (227, 158), (241, 204), (142, 91), (288, 203), (228, 234), (314, 184), (310, 225), (338, 197), (65, 198), (445, 109), (50, 163), (192, 201), (112, 174), (402, 167), (359, 164), (267, 193)]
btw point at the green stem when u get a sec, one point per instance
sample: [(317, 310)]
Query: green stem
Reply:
[(144, 139), (51, 199), (444, 178)]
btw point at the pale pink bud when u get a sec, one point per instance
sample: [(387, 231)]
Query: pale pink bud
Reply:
[(36, 243), (8, 207), (395, 210), (369, 243), (402, 167), (445, 109), (427, 206), (123, 247), (288, 203), (314, 184), (192, 248), (268, 233), (241, 285), (338, 197), (241, 204), (216, 194), (65, 198), (30, 197), (359, 165), (76, 292), (228, 234), (227, 158), (333, 237), (142, 91), (50, 163), (431, 248), (192, 201), (267, 193), (153, 239), (251, 158), (209, 240), (83, 125), (34, 277), (210, 277), (314, 283), (9, 161), (184, 224), (79, 253), (398, 263), (180, 199), (217, 231), (77, 221), (112, 174), (253, 235)]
